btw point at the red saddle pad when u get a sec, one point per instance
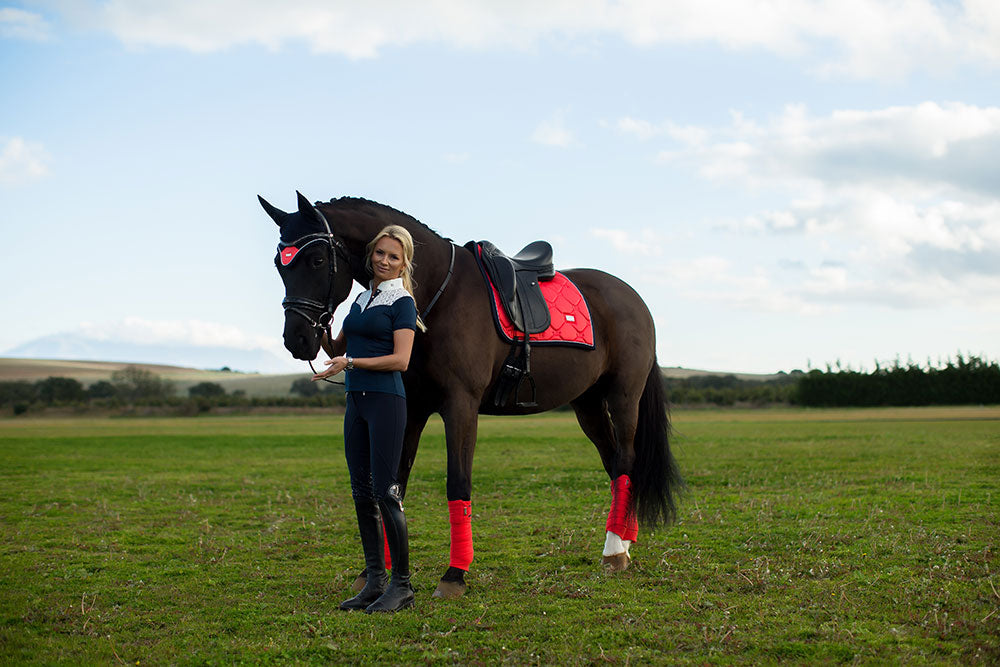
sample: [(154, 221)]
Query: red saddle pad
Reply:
[(568, 310)]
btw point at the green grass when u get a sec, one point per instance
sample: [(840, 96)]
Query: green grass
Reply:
[(806, 536)]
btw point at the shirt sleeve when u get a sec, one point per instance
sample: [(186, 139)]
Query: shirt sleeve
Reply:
[(404, 314)]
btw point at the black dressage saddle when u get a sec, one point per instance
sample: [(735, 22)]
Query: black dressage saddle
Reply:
[(517, 281)]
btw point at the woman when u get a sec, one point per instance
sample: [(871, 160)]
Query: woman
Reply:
[(374, 347)]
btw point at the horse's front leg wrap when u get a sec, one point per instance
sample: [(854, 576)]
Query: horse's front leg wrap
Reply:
[(460, 514), (621, 519)]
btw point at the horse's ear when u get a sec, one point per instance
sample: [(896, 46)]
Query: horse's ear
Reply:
[(309, 211), (276, 213)]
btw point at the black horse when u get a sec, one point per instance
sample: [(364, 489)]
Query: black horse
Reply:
[(615, 388)]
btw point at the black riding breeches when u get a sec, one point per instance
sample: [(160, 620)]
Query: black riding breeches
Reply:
[(373, 441)]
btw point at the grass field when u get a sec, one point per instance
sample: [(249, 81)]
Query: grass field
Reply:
[(806, 536)]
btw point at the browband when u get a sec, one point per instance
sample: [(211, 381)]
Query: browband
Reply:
[(288, 251)]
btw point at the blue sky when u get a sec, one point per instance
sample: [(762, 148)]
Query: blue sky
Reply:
[(786, 183)]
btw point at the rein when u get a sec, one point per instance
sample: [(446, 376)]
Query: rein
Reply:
[(447, 279)]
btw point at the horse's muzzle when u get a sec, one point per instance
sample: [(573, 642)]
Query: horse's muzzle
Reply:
[(300, 339)]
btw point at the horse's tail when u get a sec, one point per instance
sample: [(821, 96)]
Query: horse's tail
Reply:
[(655, 473)]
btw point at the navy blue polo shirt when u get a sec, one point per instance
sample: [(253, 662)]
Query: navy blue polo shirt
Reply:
[(369, 328)]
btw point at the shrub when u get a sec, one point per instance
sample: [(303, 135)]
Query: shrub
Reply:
[(136, 384), (101, 389), (17, 392), (206, 390), (53, 390)]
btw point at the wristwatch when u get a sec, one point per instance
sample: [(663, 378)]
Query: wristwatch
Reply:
[(350, 363)]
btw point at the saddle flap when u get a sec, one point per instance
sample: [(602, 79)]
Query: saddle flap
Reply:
[(534, 311), (500, 270)]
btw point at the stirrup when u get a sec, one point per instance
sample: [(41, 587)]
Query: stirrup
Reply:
[(517, 390)]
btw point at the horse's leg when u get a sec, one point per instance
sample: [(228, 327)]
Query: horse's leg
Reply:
[(416, 419), (461, 418), (622, 527), (595, 420), (592, 415)]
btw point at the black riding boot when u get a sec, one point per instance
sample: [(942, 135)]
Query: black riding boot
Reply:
[(399, 595), (370, 526)]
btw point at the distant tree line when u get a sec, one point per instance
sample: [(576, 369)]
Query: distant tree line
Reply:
[(964, 381), (133, 386)]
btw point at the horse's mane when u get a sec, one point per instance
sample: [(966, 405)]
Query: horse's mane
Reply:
[(358, 203)]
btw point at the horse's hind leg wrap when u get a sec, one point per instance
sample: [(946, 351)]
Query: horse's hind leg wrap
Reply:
[(621, 519), (460, 514)]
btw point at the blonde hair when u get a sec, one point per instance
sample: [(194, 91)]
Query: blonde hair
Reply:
[(402, 236)]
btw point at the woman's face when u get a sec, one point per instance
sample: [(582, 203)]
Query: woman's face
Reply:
[(387, 259)]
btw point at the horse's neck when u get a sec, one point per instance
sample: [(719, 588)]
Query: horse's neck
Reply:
[(357, 227)]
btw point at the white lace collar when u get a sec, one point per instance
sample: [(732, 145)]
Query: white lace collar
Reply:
[(386, 285)]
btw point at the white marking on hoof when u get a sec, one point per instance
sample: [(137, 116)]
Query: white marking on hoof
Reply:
[(614, 545)]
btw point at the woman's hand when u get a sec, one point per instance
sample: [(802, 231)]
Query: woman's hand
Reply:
[(334, 366)]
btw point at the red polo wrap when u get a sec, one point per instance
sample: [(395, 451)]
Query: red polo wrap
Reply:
[(460, 514), (621, 519), (388, 558)]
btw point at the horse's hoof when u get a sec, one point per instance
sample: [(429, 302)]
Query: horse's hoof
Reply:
[(616, 563), (359, 583), (449, 590)]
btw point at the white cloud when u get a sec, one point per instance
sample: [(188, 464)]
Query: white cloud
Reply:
[(939, 145), (863, 38), (641, 129), (21, 161), (645, 242), (906, 197), (553, 132), (20, 24), (174, 332), (899, 177), (645, 130), (717, 279)]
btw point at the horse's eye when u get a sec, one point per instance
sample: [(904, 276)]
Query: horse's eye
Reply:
[(318, 261)]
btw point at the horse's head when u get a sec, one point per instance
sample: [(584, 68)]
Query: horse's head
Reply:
[(313, 264)]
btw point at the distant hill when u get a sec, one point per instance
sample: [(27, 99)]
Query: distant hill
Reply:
[(678, 373), (83, 348), (89, 372)]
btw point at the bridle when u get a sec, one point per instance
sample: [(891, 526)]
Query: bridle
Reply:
[(302, 306)]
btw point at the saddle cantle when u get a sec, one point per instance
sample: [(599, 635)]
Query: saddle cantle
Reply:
[(517, 279)]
